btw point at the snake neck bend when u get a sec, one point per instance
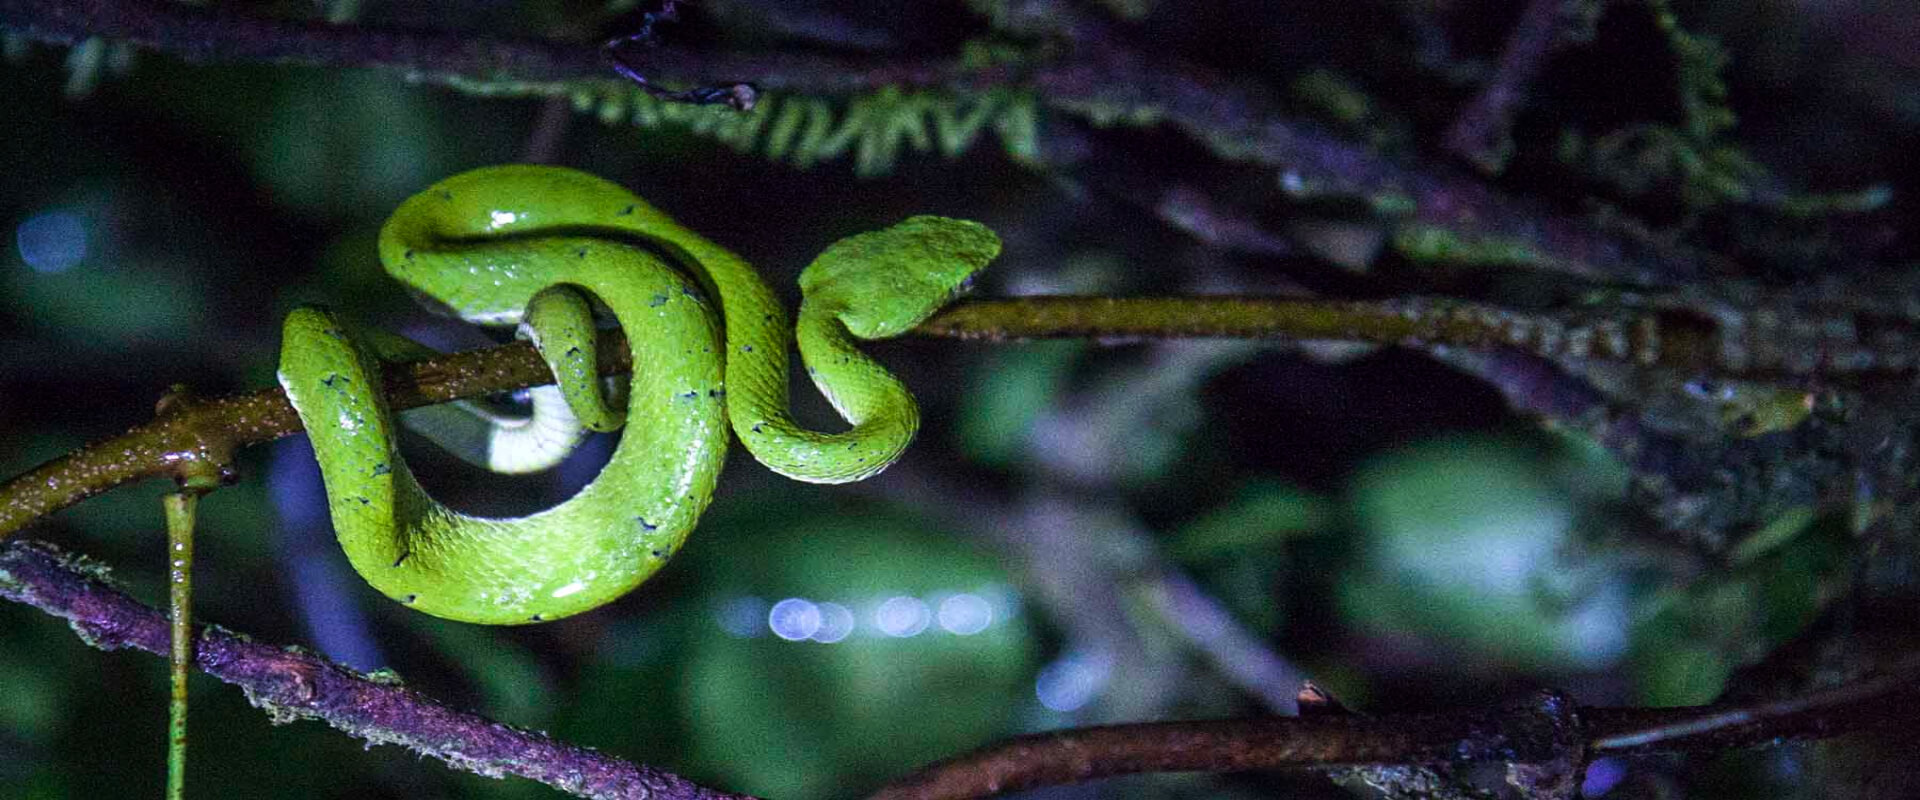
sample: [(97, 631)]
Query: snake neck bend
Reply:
[(882, 414)]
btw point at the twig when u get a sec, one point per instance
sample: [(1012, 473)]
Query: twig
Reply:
[(1237, 653), (1481, 132), (1867, 703), (1414, 320), (201, 33), (1545, 730), (292, 684), (738, 96)]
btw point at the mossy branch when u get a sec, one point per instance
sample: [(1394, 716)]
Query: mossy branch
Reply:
[(1098, 75), (291, 684)]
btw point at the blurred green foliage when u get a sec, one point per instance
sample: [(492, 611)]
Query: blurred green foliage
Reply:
[(1465, 543), (812, 719)]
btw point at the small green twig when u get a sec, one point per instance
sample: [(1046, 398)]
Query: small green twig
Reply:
[(180, 508), (1482, 132)]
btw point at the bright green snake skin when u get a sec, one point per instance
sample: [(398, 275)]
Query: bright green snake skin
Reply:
[(483, 244)]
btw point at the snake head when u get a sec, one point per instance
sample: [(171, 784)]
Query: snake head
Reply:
[(888, 281)]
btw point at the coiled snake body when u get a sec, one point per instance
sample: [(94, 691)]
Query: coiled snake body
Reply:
[(535, 247)]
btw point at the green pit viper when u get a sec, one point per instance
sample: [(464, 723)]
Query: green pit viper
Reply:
[(542, 248)]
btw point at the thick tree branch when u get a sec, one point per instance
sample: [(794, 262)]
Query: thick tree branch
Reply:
[(1102, 73), (292, 684), (200, 33)]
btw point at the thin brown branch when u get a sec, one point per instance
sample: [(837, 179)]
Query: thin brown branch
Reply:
[(1544, 730), (1239, 654), (193, 439), (1066, 317), (1539, 730), (292, 684), (1871, 702)]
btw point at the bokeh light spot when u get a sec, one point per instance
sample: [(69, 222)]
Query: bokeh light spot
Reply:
[(1602, 775), (1072, 681), (836, 623), (741, 617), (965, 614), (902, 616), (794, 619), (52, 242)]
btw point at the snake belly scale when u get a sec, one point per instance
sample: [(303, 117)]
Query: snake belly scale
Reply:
[(490, 244)]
